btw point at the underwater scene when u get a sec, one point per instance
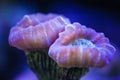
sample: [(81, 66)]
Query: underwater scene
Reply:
[(59, 40)]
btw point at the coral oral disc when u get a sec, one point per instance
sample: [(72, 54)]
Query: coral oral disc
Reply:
[(79, 46)]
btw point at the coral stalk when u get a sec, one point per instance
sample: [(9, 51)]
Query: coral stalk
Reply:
[(47, 69)]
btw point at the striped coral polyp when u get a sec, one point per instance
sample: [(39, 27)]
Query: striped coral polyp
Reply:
[(79, 46), (37, 31)]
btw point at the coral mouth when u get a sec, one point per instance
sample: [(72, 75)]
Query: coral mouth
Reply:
[(82, 42)]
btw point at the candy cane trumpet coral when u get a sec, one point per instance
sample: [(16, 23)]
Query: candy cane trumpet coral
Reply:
[(79, 46), (37, 31), (35, 34)]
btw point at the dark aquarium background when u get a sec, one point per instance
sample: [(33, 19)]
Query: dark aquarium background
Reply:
[(102, 15)]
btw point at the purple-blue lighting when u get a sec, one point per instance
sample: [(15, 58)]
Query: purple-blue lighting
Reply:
[(103, 18)]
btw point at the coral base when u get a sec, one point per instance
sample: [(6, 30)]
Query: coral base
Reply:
[(47, 69)]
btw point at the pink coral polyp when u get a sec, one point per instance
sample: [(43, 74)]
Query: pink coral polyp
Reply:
[(79, 46), (37, 31)]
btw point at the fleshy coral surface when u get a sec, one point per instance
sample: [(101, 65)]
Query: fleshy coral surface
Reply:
[(37, 31), (79, 46)]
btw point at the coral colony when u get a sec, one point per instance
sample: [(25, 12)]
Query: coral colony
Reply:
[(58, 49)]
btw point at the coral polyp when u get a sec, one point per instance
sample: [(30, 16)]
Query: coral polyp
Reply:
[(37, 31), (79, 46)]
